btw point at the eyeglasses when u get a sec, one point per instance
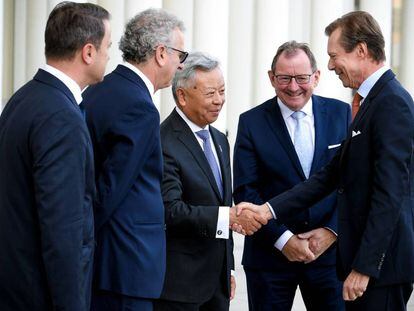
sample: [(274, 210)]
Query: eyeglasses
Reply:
[(183, 55), (300, 79)]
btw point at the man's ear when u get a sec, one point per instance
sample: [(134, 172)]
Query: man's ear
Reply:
[(362, 49), (271, 77), (181, 97), (88, 53), (161, 55)]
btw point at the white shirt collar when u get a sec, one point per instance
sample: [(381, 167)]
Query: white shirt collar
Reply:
[(287, 112), (144, 78), (66, 80), (369, 82), (194, 127)]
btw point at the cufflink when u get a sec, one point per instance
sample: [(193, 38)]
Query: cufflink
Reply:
[(219, 232)]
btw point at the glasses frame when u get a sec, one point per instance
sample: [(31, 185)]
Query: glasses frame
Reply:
[(183, 54), (294, 77)]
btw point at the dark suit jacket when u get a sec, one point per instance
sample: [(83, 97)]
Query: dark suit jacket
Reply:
[(373, 174), (129, 213), (46, 193), (196, 260), (266, 164)]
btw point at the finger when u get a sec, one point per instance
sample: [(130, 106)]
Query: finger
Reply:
[(305, 235)]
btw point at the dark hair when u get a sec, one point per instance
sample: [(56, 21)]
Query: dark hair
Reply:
[(291, 48), (72, 25), (145, 31), (357, 27)]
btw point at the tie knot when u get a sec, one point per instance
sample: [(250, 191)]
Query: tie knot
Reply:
[(203, 134), (297, 115), (357, 99)]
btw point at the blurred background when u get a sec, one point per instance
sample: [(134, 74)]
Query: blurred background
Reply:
[(243, 34)]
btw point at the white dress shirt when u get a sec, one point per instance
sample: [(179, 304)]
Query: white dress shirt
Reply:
[(73, 87), (222, 231)]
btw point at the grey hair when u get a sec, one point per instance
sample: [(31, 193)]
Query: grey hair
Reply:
[(291, 48), (185, 77), (145, 31)]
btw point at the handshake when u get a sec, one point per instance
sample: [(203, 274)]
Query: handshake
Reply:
[(247, 218)]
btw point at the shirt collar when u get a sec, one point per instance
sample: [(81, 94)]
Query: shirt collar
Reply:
[(287, 112), (144, 78), (73, 87), (367, 85), (194, 127)]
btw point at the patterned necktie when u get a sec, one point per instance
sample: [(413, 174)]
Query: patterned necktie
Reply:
[(205, 136), (302, 140), (356, 104)]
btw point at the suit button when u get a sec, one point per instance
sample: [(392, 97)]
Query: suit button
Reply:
[(340, 190), (165, 227), (219, 232), (306, 223)]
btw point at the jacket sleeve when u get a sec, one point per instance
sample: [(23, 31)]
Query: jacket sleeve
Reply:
[(131, 140), (59, 146), (247, 179)]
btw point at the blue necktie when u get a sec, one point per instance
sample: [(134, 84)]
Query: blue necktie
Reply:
[(208, 152), (302, 140)]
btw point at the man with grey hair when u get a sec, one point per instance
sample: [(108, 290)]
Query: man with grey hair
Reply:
[(124, 126), (197, 193)]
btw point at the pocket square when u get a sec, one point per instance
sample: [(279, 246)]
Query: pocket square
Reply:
[(356, 133), (333, 146)]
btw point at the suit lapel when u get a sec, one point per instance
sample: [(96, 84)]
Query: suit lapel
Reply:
[(320, 121), (277, 125), (186, 136)]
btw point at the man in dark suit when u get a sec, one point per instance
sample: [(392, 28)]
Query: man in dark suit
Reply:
[(372, 172), (268, 160), (197, 193), (46, 164), (124, 126)]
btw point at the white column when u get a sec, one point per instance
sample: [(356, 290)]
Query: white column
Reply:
[(329, 84), (2, 76), (381, 10), (183, 9), (7, 58), (271, 30), (19, 46), (240, 60), (407, 46), (116, 9), (299, 20), (210, 34), (36, 16)]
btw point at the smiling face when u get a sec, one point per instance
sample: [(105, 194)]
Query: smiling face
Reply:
[(294, 95), (348, 66), (202, 101)]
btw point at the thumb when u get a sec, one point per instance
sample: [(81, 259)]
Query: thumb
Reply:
[(305, 235)]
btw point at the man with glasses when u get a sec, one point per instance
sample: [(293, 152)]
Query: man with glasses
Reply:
[(279, 144), (124, 126)]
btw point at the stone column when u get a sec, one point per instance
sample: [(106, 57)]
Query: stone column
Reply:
[(407, 46)]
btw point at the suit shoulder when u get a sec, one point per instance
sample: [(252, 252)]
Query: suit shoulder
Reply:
[(257, 111)]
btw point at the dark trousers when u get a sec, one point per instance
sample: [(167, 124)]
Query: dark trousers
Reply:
[(384, 298), (110, 301), (274, 290), (218, 302)]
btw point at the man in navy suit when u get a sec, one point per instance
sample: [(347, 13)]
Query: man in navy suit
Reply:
[(272, 154), (124, 126), (372, 173), (47, 175)]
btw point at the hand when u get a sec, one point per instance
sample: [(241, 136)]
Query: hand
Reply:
[(237, 228), (298, 250), (262, 211), (232, 287), (355, 285), (319, 240), (248, 220)]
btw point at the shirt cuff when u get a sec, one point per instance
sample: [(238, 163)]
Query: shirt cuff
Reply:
[(327, 228), (223, 222), (271, 210), (233, 273), (282, 240)]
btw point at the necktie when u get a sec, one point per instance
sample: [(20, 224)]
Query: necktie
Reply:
[(355, 104), (208, 152), (302, 140)]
